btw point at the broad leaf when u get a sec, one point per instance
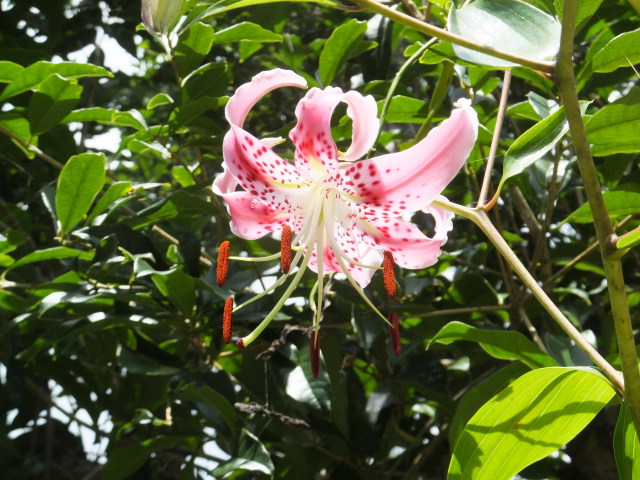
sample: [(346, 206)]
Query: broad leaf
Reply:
[(246, 31), (622, 51), (159, 99), (53, 100), (54, 253), (618, 203), (626, 446), (178, 287), (502, 344), (115, 191), (35, 74), (108, 116), (81, 179), (9, 71), (530, 419), (405, 110), (195, 45), (344, 43), (514, 27), (535, 143), (212, 399), (630, 240), (251, 456), (616, 127)]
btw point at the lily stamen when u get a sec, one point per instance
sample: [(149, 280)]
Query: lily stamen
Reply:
[(222, 267), (227, 320), (388, 275), (285, 249)]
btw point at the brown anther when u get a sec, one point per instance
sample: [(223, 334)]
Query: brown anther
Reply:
[(388, 275), (227, 320), (314, 347), (394, 333), (285, 249), (222, 268)]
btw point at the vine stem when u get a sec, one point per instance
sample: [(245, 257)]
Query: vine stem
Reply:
[(602, 223), (442, 34), (481, 219)]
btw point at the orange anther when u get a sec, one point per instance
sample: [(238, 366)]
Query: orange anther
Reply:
[(388, 275), (222, 268), (227, 320), (285, 249)]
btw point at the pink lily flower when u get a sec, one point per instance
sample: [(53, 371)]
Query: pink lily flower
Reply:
[(344, 213)]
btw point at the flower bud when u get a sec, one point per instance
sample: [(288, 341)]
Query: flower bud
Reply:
[(159, 16)]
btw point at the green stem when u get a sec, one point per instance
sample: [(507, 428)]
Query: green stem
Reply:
[(602, 223), (480, 218), (442, 34)]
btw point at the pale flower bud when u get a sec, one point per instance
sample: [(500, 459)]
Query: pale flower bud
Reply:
[(159, 16)]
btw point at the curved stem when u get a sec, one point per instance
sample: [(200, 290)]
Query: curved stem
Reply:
[(480, 218), (602, 222), (430, 30)]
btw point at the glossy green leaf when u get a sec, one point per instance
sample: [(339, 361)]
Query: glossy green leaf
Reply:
[(182, 175), (159, 99), (530, 419), (629, 240), (81, 179), (345, 42), (618, 203), (53, 100), (502, 344), (622, 51), (615, 128), (586, 9), (32, 76), (108, 116), (115, 191), (480, 394), (179, 288), (626, 446), (9, 71), (193, 47), (54, 253), (405, 110), (515, 27), (535, 143), (17, 124), (246, 31), (251, 456)]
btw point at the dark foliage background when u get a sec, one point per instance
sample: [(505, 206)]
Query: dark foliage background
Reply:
[(119, 335)]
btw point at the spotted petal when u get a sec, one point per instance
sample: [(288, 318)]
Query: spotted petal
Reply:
[(407, 181), (251, 219)]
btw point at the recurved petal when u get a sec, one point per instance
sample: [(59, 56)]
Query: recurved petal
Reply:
[(262, 173), (364, 114), (247, 95), (407, 181), (409, 246), (251, 219), (315, 149)]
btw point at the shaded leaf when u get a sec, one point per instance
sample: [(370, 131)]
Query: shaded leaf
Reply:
[(626, 446), (251, 456), (53, 100), (81, 179)]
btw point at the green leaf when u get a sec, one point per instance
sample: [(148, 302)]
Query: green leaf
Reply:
[(530, 419), (179, 288), (81, 179), (344, 43), (246, 31), (535, 143), (9, 71), (629, 240), (626, 446), (108, 116), (616, 127), (181, 203), (618, 203), (53, 100), (186, 114), (159, 99), (514, 27), (115, 191), (502, 344), (586, 9), (15, 122), (480, 394), (193, 47), (36, 73), (251, 456), (212, 399), (125, 461), (405, 110), (54, 253), (622, 51), (182, 176)]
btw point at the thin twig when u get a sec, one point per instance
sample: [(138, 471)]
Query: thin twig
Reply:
[(495, 141)]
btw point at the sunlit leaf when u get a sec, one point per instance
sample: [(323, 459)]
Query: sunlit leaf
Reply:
[(618, 203), (53, 100), (626, 446), (622, 51), (615, 128)]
